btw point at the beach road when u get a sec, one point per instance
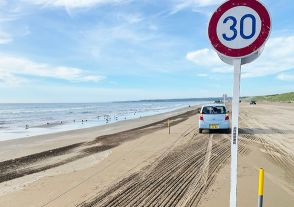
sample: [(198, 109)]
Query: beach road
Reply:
[(147, 166)]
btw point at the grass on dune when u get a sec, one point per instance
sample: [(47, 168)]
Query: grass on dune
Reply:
[(284, 97)]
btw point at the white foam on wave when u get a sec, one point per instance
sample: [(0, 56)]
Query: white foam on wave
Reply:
[(15, 117)]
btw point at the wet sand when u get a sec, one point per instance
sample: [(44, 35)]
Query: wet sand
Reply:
[(19, 167), (137, 163)]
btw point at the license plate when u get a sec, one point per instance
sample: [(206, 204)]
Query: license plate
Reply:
[(213, 126)]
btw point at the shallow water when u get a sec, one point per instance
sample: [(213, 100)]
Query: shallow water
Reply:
[(25, 120)]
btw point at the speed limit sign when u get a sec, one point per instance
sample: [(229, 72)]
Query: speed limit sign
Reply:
[(238, 30)]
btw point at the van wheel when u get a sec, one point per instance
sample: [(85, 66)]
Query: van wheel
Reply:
[(200, 131)]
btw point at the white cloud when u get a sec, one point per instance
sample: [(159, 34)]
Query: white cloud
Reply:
[(107, 34), (199, 3), (276, 58), (12, 68), (211, 58), (10, 79), (286, 77), (104, 40), (202, 75), (193, 4), (75, 3), (5, 37), (208, 59), (130, 18)]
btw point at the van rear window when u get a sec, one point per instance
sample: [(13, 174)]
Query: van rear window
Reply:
[(214, 110)]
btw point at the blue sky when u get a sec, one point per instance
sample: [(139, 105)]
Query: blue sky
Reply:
[(110, 50)]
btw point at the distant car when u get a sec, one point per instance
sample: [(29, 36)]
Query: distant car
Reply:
[(253, 103), (214, 116)]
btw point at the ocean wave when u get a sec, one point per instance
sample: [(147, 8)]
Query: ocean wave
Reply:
[(18, 117)]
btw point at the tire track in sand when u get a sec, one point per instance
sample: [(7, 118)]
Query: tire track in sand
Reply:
[(179, 178)]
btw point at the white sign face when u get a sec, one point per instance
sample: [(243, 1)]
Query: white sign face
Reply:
[(238, 27)]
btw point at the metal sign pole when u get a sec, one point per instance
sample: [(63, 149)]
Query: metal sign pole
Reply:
[(234, 135)]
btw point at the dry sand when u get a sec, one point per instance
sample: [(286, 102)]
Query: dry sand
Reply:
[(137, 163)]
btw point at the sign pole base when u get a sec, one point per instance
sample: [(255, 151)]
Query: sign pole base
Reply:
[(234, 135)]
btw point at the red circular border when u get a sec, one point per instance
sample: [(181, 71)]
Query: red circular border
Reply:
[(243, 52)]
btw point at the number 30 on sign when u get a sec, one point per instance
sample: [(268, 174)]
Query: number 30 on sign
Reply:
[(239, 29)]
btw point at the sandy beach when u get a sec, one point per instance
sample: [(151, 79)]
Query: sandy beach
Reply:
[(138, 163)]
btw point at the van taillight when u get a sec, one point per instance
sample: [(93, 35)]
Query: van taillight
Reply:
[(201, 117), (227, 117)]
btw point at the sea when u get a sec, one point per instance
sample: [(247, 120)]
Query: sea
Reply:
[(30, 119)]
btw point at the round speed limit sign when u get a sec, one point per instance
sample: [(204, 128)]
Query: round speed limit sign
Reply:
[(239, 28)]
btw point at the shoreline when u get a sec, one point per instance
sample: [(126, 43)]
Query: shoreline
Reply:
[(34, 166), (60, 126), (44, 142)]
